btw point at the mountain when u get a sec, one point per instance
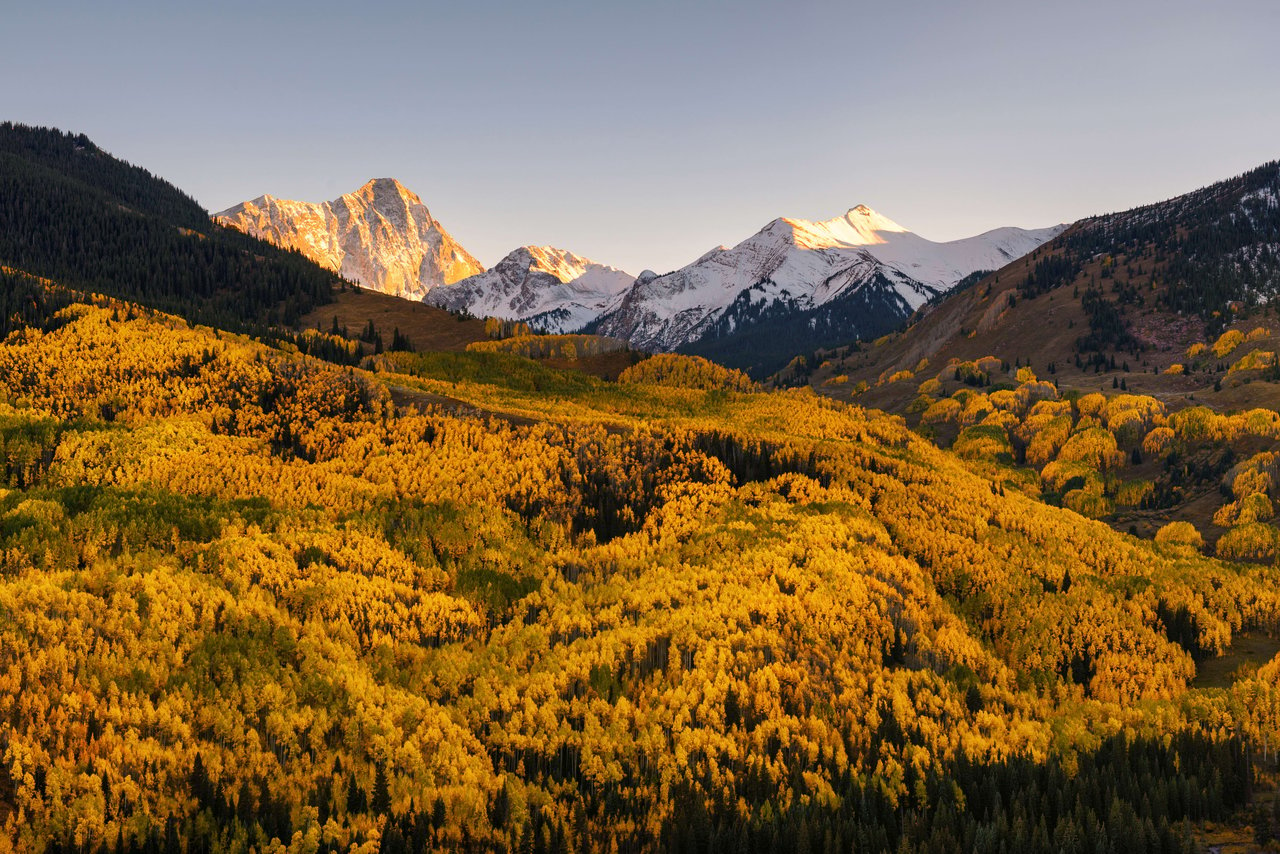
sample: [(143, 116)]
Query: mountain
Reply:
[(552, 289), (1136, 287), (796, 285), (381, 236), (71, 212), (1129, 368)]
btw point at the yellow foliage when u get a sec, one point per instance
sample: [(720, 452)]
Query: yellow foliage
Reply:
[(990, 365), (1227, 342), (1089, 501), (1252, 541), (1254, 360), (1095, 447), (1092, 405), (568, 347), (670, 369), (1158, 442), (1180, 534), (947, 409), (1132, 493), (210, 548), (930, 387)]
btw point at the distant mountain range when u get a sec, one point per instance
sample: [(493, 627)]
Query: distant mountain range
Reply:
[(798, 285), (795, 285), (802, 265)]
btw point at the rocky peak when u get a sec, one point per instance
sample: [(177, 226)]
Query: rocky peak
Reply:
[(381, 236)]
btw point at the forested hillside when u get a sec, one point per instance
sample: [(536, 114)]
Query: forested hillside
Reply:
[(1149, 331), (246, 602), (71, 212), (1113, 293)]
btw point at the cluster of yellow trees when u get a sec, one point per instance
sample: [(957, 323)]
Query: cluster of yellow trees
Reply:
[(238, 582), (1097, 452), (566, 347), (668, 369)]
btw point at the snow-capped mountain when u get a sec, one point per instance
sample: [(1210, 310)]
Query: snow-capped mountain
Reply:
[(552, 289), (794, 266), (381, 236)]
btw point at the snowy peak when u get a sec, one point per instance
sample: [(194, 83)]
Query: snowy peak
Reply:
[(561, 263), (797, 265), (388, 197), (860, 226), (554, 290), (381, 236), (385, 189)]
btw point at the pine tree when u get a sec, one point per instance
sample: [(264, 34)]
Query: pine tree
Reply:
[(381, 791)]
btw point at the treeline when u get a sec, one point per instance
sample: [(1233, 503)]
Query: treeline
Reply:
[(1127, 795), (565, 347), (759, 336)]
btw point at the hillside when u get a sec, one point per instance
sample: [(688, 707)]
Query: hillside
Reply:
[(71, 212), (1140, 285), (248, 599), (1094, 330), (424, 327), (363, 323)]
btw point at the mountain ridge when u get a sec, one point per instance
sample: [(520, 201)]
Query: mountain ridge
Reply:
[(1145, 282), (792, 266), (72, 212)]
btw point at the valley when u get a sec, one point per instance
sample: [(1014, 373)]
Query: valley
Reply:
[(427, 581)]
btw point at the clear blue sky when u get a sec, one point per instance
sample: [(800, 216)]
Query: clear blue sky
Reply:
[(642, 134)]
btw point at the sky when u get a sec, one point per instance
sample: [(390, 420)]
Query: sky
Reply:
[(643, 134)]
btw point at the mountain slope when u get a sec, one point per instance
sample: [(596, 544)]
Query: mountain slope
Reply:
[(552, 289), (381, 236), (1137, 287), (1128, 369), (873, 270), (71, 212)]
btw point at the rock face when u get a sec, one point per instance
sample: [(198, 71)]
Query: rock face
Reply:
[(381, 236), (552, 289), (792, 266)]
